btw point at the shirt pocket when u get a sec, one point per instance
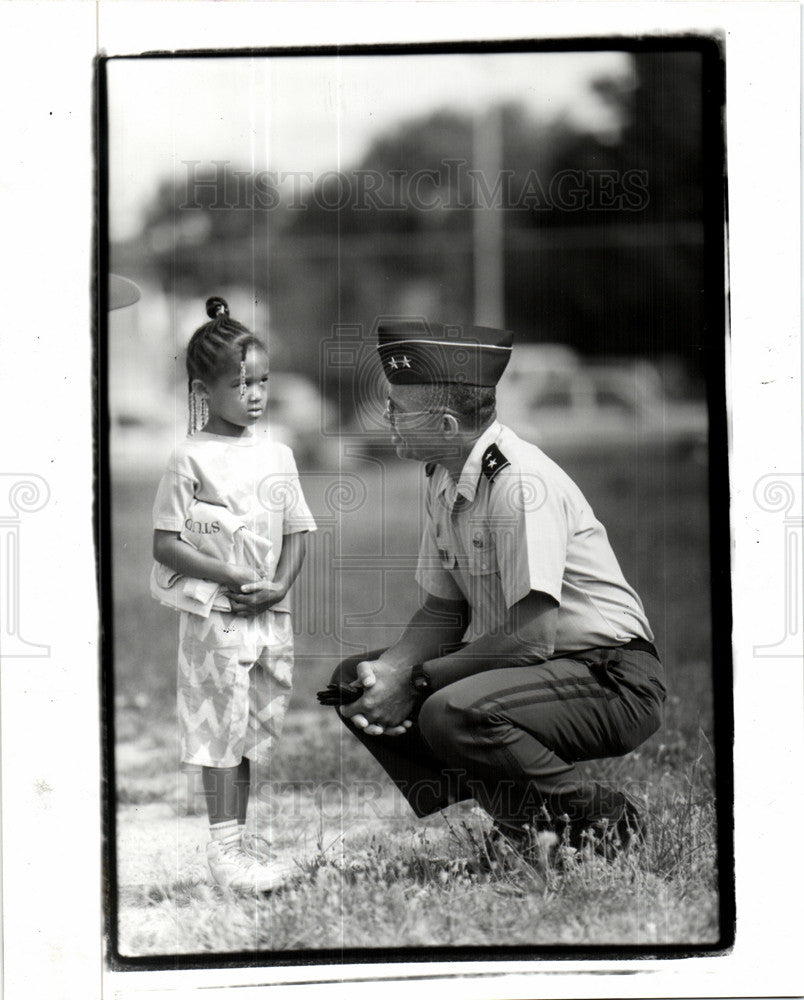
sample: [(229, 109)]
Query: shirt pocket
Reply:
[(482, 553)]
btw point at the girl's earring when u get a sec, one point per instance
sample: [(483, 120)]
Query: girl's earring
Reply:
[(242, 379), (204, 415)]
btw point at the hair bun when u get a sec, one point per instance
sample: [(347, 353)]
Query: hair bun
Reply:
[(216, 306)]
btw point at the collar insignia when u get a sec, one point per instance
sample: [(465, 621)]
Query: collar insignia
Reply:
[(492, 462)]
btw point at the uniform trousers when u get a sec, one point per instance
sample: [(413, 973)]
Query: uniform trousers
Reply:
[(510, 738)]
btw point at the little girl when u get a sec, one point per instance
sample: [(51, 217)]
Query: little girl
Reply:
[(229, 526)]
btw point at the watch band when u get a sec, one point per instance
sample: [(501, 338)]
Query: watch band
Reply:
[(420, 680)]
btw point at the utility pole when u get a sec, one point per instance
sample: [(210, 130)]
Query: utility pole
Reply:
[(488, 220)]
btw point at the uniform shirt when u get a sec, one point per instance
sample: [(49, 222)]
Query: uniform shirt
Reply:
[(253, 477), (515, 522)]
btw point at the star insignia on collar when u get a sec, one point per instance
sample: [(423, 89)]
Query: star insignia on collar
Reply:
[(493, 462), (393, 363), (405, 361)]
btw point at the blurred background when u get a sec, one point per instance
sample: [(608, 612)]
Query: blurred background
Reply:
[(557, 194)]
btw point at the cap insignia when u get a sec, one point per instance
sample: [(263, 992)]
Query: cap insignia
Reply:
[(403, 362)]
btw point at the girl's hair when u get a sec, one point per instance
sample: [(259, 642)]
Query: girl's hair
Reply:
[(214, 347)]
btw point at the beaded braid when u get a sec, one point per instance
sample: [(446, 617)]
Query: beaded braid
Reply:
[(211, 347), (199, 413)]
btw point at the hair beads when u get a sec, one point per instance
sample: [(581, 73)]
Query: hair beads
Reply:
[(215, 349), (199, 413), (191, 422)]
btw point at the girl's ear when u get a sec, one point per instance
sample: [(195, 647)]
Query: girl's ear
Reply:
[(198, 387)]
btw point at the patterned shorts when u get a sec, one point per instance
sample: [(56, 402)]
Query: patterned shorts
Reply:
[(233, 686)]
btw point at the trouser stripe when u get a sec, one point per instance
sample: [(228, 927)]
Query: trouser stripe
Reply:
[(580, 688)]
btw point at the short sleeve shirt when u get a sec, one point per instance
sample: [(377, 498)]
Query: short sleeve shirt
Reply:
[(252, 476), (516, 522)]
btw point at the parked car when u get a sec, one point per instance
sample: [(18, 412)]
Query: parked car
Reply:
[(550, 396), (565, 405)]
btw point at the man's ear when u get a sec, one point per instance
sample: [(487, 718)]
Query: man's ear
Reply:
[(449, 425)]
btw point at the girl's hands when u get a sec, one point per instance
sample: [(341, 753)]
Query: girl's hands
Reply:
[(256, 596), (248, 593), (242, 575)]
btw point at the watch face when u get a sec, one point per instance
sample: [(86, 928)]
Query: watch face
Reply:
[(419, 679)]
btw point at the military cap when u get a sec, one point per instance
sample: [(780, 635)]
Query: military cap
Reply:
[(417, 352)]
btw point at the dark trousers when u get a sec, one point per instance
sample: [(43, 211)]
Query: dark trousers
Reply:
[(510, 738)]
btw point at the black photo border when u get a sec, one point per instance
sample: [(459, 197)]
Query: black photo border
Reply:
[(714, 351)]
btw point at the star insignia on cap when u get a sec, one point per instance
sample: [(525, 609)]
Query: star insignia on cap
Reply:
[(476, 355), (493, 462)]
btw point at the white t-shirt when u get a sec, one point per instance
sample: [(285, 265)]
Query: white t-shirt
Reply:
[(516, 522), (251, 476)]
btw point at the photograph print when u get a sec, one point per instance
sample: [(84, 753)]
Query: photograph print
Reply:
[(413, 503)]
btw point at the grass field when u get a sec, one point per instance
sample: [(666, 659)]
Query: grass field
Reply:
[(370, 875)]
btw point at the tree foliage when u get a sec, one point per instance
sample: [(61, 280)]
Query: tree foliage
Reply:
[(603, 237)]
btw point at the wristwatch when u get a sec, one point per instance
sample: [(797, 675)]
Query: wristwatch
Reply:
[(420, 680)]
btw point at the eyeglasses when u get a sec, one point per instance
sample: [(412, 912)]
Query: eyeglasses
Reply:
[(393, 416)]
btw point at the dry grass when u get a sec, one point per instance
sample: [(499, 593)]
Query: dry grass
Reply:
[(370, 875)]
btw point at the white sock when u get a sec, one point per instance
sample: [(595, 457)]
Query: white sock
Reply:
[(226, 830)]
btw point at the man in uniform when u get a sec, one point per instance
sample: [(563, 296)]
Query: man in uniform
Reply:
[(530, 651)]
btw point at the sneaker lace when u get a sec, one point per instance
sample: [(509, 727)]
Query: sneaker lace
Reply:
[(229, 848), (257, 848)]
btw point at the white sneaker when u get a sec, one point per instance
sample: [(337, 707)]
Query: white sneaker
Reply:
[(234, 868)]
